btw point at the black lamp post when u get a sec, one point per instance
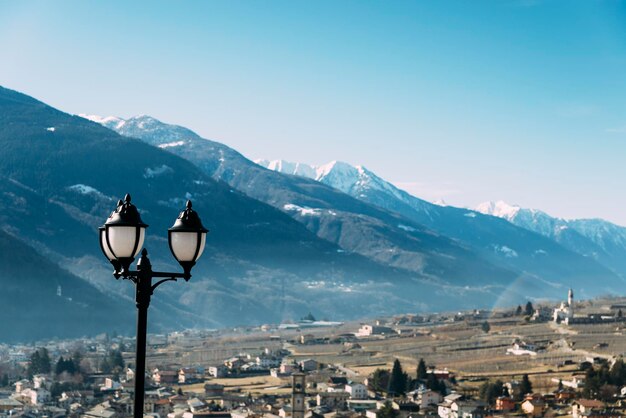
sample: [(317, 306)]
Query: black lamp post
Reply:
[(121, 239)]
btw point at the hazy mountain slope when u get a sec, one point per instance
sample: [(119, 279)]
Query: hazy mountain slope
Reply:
[(40, 300), (596, 238), (334, 216), (498, 241), (542, 266), (260, 265)]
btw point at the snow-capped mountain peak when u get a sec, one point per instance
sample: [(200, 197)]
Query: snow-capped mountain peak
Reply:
[(338, 174), (355, 180), (143, 126), (111, 122), (500, 209)]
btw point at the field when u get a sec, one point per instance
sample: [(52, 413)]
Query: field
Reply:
[(461, 346)]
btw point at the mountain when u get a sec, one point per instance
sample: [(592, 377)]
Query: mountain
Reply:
[(353, 225), (39, 299), (61, 176), (497, 241), (595, 238), (362, 213)]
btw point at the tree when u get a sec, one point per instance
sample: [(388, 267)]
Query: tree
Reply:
[(39, 362), (380, 380), (77, 359), (560, 387), (398, 379), (617, 375), (309, 317), (619, 313), (525, 386), (529, 309), (117, 360), (518, 311), (5, 380), (422, 373), (387, 411), (65, 366), (489, 392), (435, 384), (485, 327), (608, 392), (105, 366), (113, 362)]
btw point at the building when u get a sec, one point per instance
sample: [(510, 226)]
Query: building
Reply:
[(336, 400), (34, 396), (189, 375), (534, 406), (267, 362), (298, 395), (505, 404), (218, 371), (367, 330), (461, 408), (130, 374), (520, 348), (565, 312), (287, 368), (356, 390), (165, 377), (586, 407), (577, 382), (564, 395), (308, 365), (426, 397), (9, 404)]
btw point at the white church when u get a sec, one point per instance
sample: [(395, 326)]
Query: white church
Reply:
[(565, 312)]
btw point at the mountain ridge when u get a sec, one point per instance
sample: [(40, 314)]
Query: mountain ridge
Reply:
[(594, 237), (535, 258), (64, 174)]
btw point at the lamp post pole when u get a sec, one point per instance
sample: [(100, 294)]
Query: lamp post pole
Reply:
[(143, 292), (121, 237)]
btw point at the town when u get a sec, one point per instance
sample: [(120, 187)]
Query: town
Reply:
[(547, 360)]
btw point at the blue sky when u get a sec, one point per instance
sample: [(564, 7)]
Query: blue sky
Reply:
[(468, 101)]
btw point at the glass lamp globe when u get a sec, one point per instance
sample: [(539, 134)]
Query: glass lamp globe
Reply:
[(187, 238), (124, 233)]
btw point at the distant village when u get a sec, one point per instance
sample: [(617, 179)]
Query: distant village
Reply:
[(93, 377)]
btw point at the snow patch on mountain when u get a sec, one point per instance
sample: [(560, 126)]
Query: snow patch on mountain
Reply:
[(304, 211), (111, 122), (157, 171), (88, 190), (406, 228), (506, 251), (172, 144)]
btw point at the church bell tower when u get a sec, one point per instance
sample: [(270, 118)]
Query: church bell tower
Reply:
[(298, 394)]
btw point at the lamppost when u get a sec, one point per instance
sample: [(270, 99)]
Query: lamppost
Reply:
[(121, 240)]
